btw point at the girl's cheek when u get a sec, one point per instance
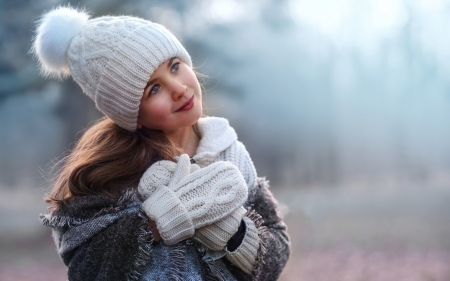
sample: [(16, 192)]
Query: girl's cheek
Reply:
[(160, 108)]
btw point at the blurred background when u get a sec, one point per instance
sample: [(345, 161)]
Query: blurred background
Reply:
[(343, 105)]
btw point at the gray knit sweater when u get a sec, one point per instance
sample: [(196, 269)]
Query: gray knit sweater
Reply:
[(100, 238)]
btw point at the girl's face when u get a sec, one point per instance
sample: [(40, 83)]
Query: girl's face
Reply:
[(172, 98)]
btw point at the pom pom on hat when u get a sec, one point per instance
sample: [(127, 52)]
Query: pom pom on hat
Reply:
[(111, 58), (54, 32)]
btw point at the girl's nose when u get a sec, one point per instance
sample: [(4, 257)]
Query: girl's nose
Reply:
[(178, 90)]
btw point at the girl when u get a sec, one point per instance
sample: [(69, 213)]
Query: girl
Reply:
[(152, 191)]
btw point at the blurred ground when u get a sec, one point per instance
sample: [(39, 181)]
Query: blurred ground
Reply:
[(376, 234)]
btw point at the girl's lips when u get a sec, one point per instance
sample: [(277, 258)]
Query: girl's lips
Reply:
[(188, 105)]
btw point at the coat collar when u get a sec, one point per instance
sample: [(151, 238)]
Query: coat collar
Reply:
[(217, 136)]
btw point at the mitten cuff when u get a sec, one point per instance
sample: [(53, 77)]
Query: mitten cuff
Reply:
[(171, 217), (215, 236), (244, 256)]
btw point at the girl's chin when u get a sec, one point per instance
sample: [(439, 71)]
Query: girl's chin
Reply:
[(186, 119), (194, 114)]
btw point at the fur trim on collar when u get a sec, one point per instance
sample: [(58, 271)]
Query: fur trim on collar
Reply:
[(217, 135)]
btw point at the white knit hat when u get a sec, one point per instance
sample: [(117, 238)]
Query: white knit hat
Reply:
[(111, 58)]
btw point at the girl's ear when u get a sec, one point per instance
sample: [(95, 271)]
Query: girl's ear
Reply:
[(139, 125)]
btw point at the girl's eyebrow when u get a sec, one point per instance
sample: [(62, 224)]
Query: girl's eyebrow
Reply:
[(154, 80), (170, 61)]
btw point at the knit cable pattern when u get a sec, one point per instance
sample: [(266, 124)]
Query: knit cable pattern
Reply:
[(207, 195)]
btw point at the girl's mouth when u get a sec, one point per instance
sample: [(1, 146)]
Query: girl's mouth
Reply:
[(188, 105)]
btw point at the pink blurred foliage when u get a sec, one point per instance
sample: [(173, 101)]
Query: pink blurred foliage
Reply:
[(348, 263), (33, 272)]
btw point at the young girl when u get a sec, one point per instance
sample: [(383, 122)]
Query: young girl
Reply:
[(152, 191)]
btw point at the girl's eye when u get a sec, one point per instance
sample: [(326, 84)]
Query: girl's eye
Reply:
[(174, 67), (154, 90)]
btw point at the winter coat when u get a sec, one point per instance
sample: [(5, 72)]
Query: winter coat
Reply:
[(101, 238)]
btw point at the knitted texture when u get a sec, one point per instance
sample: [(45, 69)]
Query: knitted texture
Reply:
[(170, 215), (159, 174), (244, 256), (102, 238), (238, 155), (111, 58), (208, 195), (219, 143), (215, 236)]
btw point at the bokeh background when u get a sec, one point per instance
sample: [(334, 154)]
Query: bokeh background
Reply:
[(343, 105)]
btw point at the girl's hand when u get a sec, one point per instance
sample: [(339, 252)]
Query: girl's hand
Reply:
[(156, 236)]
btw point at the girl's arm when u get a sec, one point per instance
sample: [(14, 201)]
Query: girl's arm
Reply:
[(119, 252), (100, 238), (264, 250)]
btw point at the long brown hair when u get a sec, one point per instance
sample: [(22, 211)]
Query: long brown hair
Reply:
[(107, 160)]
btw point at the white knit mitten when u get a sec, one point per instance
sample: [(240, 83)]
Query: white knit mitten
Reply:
[(159, 174), (215, 236), (190, 200), (244, 256)]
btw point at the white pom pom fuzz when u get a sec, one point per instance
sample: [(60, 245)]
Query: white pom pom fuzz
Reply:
[(54, 32)]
